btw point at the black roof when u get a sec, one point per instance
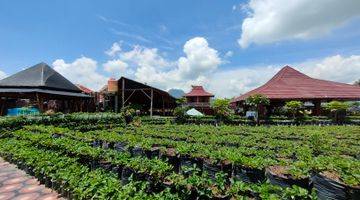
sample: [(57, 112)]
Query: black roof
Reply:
[(132, 84), (39, 76)]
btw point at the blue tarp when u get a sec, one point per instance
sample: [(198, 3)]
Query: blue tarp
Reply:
[(22, 111)]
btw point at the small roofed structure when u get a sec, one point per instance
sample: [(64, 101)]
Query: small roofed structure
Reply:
[(289, 84), (199, 99), (126, 92), (194, 112), (84, 89), (43, 87)]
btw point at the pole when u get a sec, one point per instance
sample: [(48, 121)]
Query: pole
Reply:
[(151, 103), (116, 103), (123, 92)]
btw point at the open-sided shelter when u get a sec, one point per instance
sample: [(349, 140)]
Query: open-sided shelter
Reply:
[(41, 86), (143, 97), (289, 84)]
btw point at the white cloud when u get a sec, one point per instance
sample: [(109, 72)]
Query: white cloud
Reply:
[(2, 75), (335, 68), (199, 59), (231, 83), (144, 57), (82, 71), (151, 67), (115, 67), (229, 54), (270, 21), (115, 48)]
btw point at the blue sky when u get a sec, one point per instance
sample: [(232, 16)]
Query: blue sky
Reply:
[(224, 38)]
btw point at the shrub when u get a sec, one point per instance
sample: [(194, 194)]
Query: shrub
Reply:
[(338, 110), (221, 109), (180, 114), (295, 108), (256, 101)]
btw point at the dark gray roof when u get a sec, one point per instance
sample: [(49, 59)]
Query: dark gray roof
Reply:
[(35, 90), (39, 76)]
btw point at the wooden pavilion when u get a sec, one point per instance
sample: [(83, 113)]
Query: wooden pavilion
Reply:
[(289, 84), (41, 86), (199, 99), (145, 98)]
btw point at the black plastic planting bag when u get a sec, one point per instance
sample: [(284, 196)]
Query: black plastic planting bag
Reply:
[(187, 163), (211, 169), (172, 159), (152, 153), (117, 170), (97, 143), (137, 151), (288, 181), (125, 175), (120, 146), (249, 175), (332, 190)]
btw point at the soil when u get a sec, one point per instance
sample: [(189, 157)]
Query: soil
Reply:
[(281, 171), (171, 152), (332, 175)]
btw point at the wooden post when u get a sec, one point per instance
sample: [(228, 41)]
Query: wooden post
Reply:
[(163, 105), (40, 102), (3, 106), (151, 102), (317, 107), (117, 103), (123, 92)]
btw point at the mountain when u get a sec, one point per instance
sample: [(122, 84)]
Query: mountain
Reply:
[(177, 93)]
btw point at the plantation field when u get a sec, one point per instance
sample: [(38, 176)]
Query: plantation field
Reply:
[(189, 161)]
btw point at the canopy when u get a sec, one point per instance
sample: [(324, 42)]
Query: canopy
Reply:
[(40, 78), (194, 112)]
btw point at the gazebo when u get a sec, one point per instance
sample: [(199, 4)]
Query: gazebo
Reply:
[(289, 84), (43, 88), (199, 99)]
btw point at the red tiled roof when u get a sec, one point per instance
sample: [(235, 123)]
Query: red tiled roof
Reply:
[(198, 91), (289, 83), (84, 89)]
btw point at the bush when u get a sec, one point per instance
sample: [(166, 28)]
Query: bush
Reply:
[(256, 101), (180, 114), (338, 110), (221, 109), (295, 108)]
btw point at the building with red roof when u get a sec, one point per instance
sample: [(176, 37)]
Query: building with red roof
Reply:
[(290, 84), (199, 99), (84, 89)]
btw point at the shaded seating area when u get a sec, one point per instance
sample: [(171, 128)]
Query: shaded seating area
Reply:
[(41, 87), (289, 84)]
